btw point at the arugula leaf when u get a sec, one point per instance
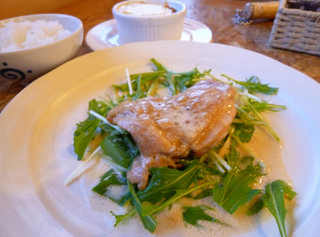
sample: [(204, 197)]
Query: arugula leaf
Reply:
[(254, 85), (244, 131), (149, 209), (289, 193), (264, 106), (108, 179), (86, 130), (179, 82), (139, 92), (233, 156), (143, 84), (166, 181), (203, 194), (158, 66), (170, 83), (246, 161), (121, 148), (100, 107), (234, 190), (193, 215), (148, 221), (146, 78), (248, 114), (256, 207), (118, 143), (123, 217), (185, 80), (83, 135), (273, 199)]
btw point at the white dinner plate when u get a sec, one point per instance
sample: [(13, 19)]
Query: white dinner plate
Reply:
[(105, 34), (36, 140)]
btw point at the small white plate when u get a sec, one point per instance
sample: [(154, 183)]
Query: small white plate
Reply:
[(105, 34)]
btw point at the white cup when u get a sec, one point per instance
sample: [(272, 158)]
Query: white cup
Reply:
[(132, 28)]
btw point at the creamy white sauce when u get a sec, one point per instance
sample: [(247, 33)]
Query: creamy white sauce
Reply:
[(145, 9)]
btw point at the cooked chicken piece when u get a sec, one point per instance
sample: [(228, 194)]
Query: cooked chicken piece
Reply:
[(166, 129)]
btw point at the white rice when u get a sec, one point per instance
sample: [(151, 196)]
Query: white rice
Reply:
[(16, 36)]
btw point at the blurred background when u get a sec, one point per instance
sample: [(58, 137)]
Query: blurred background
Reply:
[(11, 8)]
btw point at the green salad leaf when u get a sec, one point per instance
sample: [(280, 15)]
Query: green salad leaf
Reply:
[(256, 207), (254, 85), (140, 93), (203, 194), (86, 130), (264, 106), (193, 214), (109, 179), (121, 148), (244, 131), (186, 80), (273, 199), (233, 156), (166, 181), (289, 193), (101, 107), (158, 66), (178, 82), (146, 81), (83, 135), (122, 217), (247, 113), (234, 189), (151, 209), (148, 221)]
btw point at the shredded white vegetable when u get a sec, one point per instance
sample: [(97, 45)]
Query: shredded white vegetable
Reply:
[(103, 119), (219, 167), (222, 162), (129, 81), (83, 167), (246, 93), (98, 116)]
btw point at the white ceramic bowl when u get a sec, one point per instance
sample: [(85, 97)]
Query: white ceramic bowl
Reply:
[(27, 64), (133, 28)]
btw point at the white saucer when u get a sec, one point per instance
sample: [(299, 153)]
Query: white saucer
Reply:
[(105, 35)]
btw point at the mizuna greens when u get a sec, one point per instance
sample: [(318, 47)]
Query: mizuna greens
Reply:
[(193, 214), (224, 174)]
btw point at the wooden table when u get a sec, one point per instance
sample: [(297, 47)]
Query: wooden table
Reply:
[(217, 14)]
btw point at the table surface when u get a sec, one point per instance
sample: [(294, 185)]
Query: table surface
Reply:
[(216, 14)]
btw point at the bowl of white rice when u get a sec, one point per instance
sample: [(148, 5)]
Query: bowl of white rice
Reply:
[(35, 44)]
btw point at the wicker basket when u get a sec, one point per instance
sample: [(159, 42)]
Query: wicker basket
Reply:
[(296, 29)]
